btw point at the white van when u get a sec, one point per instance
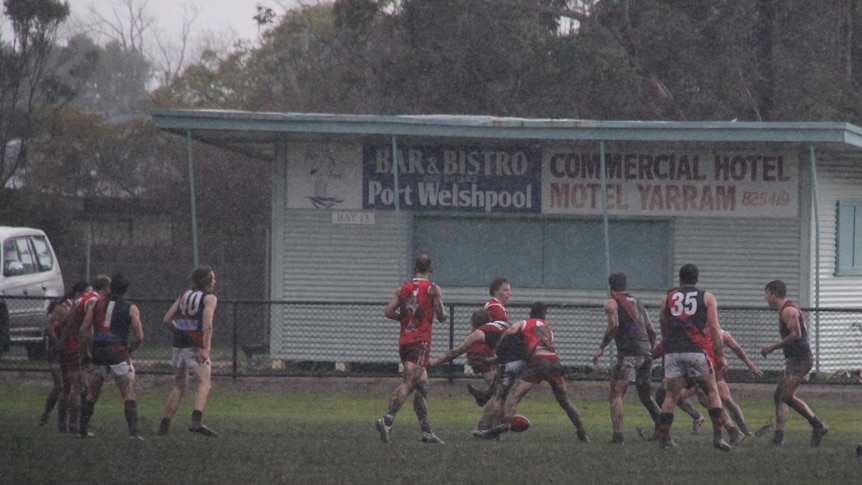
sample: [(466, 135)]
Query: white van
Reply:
[(28, 267)]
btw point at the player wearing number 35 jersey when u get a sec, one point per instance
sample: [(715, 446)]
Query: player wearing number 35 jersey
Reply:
[(686, 313), (693, 350)]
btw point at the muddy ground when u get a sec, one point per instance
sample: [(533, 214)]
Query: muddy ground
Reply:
[(851, 393)]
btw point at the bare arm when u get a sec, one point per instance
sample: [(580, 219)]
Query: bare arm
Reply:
[(730, 342), (613, 316), (515, 328), (137, 328), (662, 316), (475, 336), (715, 331), (393, 309), (168, 319), (210, 303), (436, 294), (650, 330), (55, 321), (85, 333)]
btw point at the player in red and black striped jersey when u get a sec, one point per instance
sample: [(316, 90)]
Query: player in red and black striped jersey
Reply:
[(798, 362), (693, 348), (630, 327)]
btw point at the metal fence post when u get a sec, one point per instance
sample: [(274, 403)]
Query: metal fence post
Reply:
[(451, 340), (235, 340)]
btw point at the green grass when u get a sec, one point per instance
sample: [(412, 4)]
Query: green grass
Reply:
[(298, 438)]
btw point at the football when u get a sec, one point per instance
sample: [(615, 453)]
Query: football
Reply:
[(518, 423)]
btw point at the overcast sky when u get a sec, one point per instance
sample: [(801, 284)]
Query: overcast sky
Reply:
[(214, 16)]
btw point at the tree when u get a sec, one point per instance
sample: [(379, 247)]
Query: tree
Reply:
[(35, 79), (119, 82)]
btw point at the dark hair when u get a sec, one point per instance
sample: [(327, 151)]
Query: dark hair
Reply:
[(119, 285), (78, 287), (423, 265), (617, 281), (201, 278), (496, 284), (778, 287), (538, 310), (479, 318), (101, 282), (688, 274)]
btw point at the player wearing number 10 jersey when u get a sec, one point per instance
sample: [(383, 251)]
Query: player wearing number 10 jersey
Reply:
[(693, 350)]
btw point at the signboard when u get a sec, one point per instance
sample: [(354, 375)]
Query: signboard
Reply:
[(452, 178), (673, 183), (557, 180)]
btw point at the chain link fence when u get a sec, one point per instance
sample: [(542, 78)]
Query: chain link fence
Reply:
[(271, 338)]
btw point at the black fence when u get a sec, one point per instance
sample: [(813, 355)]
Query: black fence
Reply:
[(275, 338)]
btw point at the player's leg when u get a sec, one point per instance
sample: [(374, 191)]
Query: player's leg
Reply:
[(731, 408), (203, 373), (124, 377), (673, 388), (615, 398), (715, 410), (54, 395), (172, 403), (95, 379), (561, 394), (643, 385)]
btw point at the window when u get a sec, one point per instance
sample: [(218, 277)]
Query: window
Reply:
[(545, 253), (849, 240), (17, 257), (43, 253)]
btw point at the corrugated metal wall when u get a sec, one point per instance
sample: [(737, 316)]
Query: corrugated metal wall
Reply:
[(837, 179), (331, 262), (737, 257)]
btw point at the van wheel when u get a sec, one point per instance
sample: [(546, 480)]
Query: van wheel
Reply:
[(35, 351)]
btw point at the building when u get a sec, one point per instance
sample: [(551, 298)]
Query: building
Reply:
[(554, 205)]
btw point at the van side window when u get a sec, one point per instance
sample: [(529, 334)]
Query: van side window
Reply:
[(17, 257), (43, 253)]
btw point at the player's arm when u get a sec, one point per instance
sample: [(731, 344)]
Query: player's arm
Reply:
[(55, 321), (137, 328), (790, 321), (647, 322), (730, 342), (168, 319), (85, 333), (436, 294), (210, 303), (393, 308), (662, 317), (475, 336), (611, 312), (715, 331)]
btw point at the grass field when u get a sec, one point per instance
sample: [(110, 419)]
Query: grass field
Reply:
[(323, 437)]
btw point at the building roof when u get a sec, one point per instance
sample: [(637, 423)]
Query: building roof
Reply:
[(256, 133)]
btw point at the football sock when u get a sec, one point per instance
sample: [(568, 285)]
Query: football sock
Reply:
[(130, 410)]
